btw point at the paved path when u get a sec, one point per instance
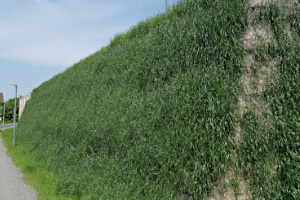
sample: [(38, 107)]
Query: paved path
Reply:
[(6, 126), (12, 186)]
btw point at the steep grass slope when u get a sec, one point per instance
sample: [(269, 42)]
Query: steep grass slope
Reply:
[(269, 153), (152, 116)]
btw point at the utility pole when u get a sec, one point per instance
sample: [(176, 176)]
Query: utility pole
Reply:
[(15, 110), (166, 6)]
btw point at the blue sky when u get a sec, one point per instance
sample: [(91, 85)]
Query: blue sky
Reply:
[(41, 38)]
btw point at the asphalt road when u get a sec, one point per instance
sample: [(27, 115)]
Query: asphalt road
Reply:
[(12, 186), (6, 126)]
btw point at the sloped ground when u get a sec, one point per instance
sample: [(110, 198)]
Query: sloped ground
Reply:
[(257, 76), (198, 103), (145, 117)]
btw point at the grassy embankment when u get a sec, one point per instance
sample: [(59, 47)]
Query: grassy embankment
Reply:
[(152, 115), (36, 173), (269, 153)]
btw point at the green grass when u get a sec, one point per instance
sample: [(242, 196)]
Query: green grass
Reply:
[(269, 155), (36, 173), (152, 115), (147, 116)]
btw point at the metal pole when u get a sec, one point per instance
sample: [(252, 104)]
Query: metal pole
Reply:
[(15, 110), (166, 5), (3, 115)]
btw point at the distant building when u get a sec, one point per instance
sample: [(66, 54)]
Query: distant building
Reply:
[(22, 103), (1, 97)]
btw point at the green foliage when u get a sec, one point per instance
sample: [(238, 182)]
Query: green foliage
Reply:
[(148, 117), (36, 173), (269, 154), (285, 99), (9, 110), (152, 115)]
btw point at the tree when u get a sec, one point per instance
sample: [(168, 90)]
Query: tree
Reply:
[(9, 109)]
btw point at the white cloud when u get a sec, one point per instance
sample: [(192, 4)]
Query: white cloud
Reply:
[(59, 33)]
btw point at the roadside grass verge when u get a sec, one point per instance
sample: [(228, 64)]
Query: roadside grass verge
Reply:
[(35, 173)]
